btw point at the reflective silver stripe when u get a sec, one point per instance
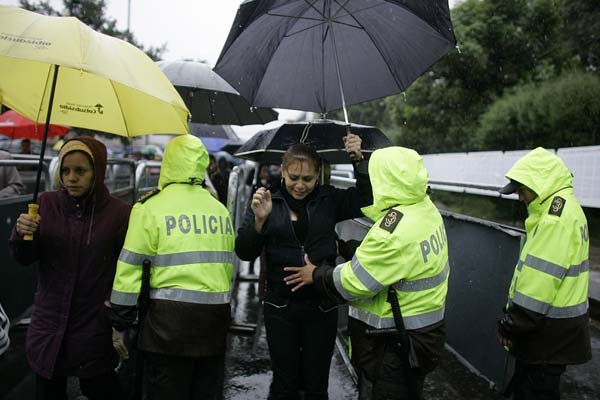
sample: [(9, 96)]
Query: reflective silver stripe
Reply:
[(191, 296), (411, 322), (193, 257), (337, 282), (167, 260), (124, 299), (364, 277), (576, 270), (133, 258), (423, 284), (519, 265), (548, 310), (547, 267)]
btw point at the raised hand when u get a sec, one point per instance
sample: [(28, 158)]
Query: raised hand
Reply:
[(262, 207), (352, 143)]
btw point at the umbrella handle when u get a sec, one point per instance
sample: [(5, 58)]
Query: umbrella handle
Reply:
[(352, 155), (32, 209)]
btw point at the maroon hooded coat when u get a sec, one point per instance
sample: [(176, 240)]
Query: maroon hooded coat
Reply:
[(77, 246)]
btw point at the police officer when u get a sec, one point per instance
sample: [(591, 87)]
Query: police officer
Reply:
[(188, 236), (546, 320), (406, 250)]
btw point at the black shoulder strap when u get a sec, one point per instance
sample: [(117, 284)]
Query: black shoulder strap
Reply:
[(392, 298)]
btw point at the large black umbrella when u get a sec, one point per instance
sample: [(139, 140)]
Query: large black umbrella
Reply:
[(209, 98), (324, 135), (321, 55)]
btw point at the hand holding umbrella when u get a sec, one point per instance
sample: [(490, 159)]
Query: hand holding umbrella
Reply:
[(352, 143), (28, 224)]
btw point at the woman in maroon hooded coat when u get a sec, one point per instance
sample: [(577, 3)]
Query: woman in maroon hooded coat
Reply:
[(77, 239)]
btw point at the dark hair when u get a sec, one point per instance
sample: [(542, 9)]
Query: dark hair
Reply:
[(301, 152)]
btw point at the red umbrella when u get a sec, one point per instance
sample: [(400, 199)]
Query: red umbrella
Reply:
[(15, 125)]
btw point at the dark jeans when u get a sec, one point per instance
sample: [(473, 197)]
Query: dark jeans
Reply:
[(101, 387), (384, 372), (301, 338), (537, 382), (187, 378)]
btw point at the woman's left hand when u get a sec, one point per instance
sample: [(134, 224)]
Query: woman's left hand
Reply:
[(302, 275)]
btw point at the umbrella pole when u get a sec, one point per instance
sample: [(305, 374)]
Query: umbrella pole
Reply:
[(339, 77), (33, 207)]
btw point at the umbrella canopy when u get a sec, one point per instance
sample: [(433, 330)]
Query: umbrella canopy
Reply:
[(232, 147), (321, 55), (102, 83), (14, 125), (214, 131), (214, 137), (58, 70), (210, 99), (325, 136)]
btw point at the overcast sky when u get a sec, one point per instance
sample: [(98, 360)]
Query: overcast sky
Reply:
[(192, 29)]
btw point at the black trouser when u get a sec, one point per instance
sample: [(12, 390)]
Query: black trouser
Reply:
[(301, 338), (187, 378), (537, 382), (101, 387), (383, 371)]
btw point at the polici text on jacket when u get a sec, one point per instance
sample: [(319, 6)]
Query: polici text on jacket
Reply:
[(199, 224)]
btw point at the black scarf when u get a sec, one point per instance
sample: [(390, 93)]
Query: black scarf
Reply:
[(299, 207)]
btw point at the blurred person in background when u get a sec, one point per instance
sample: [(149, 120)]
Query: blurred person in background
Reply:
[(26, 146), (10, 180)]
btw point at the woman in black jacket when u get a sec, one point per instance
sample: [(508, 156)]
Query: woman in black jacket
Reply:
[(292, 223)]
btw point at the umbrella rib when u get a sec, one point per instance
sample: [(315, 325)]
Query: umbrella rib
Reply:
[(350, 13), (312, 5), (374, 44), (305, 29), (292, 16), (238, 117), (112, 84)]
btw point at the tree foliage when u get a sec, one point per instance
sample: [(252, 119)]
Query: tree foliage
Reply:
[(559, 112), (93, 14), (507, 48)]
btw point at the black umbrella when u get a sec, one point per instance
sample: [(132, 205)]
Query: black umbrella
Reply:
[(209, 98), (214, 137), (321, 55), (213, 131), (232, 146), (324, 135)]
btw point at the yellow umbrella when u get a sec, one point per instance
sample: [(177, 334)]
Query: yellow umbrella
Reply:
[(58, 70)]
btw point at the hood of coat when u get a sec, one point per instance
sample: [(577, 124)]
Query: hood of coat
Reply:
[(184, 161), (542, 172), (98, 151), (398, 177)]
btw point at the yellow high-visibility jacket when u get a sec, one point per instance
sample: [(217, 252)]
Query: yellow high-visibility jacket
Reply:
[(189, 238)]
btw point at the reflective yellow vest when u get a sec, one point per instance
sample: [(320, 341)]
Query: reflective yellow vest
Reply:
[(552, 275), (406, 247), (183, 230)]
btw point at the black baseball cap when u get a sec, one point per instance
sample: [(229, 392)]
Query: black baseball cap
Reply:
[(510, 187)]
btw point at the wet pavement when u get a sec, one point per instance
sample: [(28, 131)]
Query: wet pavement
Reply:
[(248, 370)]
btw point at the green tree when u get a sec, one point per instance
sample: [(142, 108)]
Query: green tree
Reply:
[(93, 14), (555, 113), (504, 45)]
